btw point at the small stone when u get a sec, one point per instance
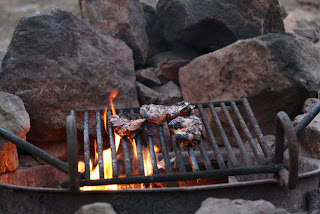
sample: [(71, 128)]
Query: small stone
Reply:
[(147, 76), (15, 119), (167, 64), (170, 93), (2, 53), (309, 104), (146, 95), (238, 206), (96, 208), (310, 34), (309, 138)]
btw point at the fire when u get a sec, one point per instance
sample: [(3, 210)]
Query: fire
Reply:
[(107, 157)]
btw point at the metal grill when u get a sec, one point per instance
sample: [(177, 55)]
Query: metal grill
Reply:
[(243, 126)]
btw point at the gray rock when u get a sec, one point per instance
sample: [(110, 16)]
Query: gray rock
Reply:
[(121, 19), (309, 139), (146, 95), (309, 104), (15, 119), (157, 42), (151, 3), (147, 76), (96, 208), (273, 71), (238, 206), (310, 34), (283, 11), (170, 93), (56, 63), (2, 53), (215, 24), (167, 64)]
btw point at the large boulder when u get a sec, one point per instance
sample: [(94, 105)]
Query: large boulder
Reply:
[(15, 119), (275, 72), (213, 24), (121, 19), (57, 62)]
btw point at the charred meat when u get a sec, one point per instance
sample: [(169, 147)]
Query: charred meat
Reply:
[(158, 113), (154, 113), (186, 130), (125, 127)]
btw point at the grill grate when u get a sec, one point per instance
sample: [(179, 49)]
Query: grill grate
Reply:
[(249, 131)]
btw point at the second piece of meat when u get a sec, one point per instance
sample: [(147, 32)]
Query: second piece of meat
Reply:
[(158, 113), (186, 130)]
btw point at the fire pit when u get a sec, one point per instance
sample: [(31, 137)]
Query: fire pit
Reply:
[(258, 172)]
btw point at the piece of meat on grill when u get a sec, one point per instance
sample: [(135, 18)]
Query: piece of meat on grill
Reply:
[(154, 113), (186, 130), (125, 127), (179, 109), (158, 113)]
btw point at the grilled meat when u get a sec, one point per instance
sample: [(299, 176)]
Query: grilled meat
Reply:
[(186, 130), (154, 113), (125, 127), (158, 113)]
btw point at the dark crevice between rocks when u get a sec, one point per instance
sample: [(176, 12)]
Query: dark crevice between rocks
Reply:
[(211, 35)]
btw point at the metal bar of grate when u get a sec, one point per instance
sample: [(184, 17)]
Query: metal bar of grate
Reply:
[(139, 146), (204, 155), (236, 135), (86, 146), (256, 128), (176, 148), (192, 158), (164, 150), (224, 137), (248, 134), (188, 175), (127, 161), (213, 142), (151, 149), (113, 147), (99, 144)]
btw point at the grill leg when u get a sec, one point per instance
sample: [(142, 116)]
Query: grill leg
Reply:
[(285, 129)]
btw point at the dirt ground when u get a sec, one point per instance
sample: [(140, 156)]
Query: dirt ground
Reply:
[(302, 13)]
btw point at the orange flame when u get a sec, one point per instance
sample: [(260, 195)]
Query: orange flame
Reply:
[(107, 157)]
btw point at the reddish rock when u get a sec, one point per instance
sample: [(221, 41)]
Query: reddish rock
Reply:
[(273, 71), (170, 93), (215, 24), (56, 63), (167, 64), (36, 176), (148, 77), (309, 139), (15, 119), (146, 95), (121, 19)]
